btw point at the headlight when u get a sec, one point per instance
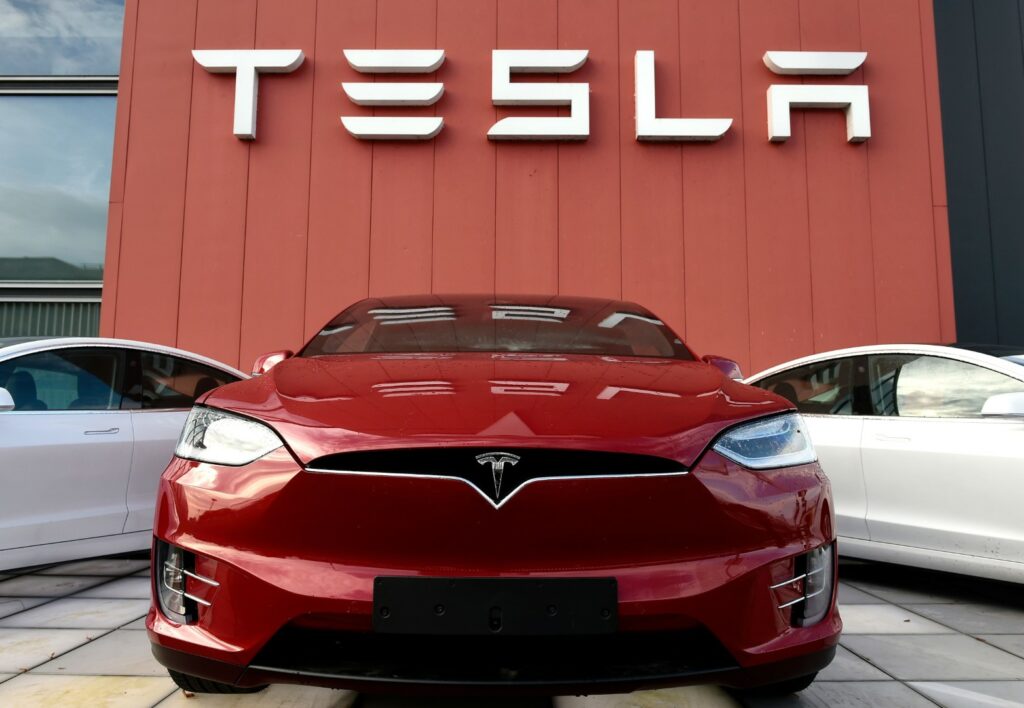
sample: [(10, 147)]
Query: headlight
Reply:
[(224, 439), (780, 441)]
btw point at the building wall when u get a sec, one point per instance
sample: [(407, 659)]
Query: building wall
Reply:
[(981, 67), (750, 249)]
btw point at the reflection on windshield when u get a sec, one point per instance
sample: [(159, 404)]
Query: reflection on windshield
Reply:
[(526, 327)]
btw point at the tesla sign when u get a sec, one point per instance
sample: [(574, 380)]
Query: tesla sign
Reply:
[(248, 64)]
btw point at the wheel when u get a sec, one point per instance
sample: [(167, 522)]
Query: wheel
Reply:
[(194, 684), (783, 688)]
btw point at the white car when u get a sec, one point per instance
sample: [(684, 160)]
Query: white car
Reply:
[(87, 426), (924, 446)]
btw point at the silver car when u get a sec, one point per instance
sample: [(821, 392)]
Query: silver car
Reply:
[(87, 426)]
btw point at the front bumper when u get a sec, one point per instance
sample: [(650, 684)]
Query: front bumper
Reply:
[(279, 615)]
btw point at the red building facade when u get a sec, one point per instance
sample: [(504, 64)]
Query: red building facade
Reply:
[(756, 250)]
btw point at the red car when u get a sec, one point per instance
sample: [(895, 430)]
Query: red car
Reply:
[(479, 494)]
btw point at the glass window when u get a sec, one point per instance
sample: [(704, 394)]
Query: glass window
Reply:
[(822, 388), (169, 382), (476, 324), (65, 379), (912, 385), (55, 155), (60, 37)]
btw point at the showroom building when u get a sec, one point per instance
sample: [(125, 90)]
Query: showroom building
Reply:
[(768, 175)]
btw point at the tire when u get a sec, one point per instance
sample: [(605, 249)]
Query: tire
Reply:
[(783, 688), (194, 684)]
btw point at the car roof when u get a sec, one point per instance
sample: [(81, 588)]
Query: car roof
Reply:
[(18, 346), (1011, 367)]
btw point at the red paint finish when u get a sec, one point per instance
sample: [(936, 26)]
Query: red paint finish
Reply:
[(756, 251), (700, 546)]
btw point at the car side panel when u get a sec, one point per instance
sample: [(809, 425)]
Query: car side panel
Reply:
[(156, 434), (946, 484), (837, 440), (63, 475)]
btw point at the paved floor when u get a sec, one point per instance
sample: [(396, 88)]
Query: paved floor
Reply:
[(72, 635)]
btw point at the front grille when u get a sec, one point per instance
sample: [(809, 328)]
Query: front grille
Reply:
[(624, 657), (497, 473)]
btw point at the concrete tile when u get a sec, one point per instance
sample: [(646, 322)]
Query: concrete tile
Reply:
[(278, 696), (122, 588), (902, 595), (120, 653), (21, 649), (861, 694), (971, 694), (887, 619), (80, 613), (140, 623), (1013, 643), (849, 595), (371, 701), (142, 573), (976, 618), (84, 691), (13, 605), (936, 657), (98, 566), (4, 677), (689, 697), (847, 666), (47, 585)]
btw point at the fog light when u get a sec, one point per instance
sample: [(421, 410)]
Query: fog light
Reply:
[(171, 572), (819, 567)]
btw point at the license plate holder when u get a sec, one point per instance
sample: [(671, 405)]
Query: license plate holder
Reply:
[(495, 606)]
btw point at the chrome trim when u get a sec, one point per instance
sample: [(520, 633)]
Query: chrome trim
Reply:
[(787, 582), (409, 475), (196, 599), (200, 578), (792, 602)]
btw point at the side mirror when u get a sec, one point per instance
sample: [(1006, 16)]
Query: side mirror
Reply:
[(1007, 405), (268, 361), (727, 366), (6, 400)]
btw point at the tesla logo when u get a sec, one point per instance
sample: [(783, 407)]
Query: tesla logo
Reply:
[(248, 64), (497, 461)]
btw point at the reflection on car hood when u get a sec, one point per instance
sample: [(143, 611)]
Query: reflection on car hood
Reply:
[(331, 404)]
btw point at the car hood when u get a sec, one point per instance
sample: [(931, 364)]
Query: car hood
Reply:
[(333, 404)]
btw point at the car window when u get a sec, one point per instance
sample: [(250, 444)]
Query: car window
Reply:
[(917, 386), (822, 388), (65, 379), (165, 381)]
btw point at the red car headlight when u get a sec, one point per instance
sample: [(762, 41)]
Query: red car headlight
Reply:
[(221, 438), (779, 441)]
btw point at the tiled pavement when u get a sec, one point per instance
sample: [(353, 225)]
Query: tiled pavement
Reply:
[(72, 635)]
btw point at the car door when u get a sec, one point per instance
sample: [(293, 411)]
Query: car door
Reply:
[(827, 395), (161, 392), (65, 449), (939, 475)]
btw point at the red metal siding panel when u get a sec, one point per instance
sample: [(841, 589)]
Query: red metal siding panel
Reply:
[(526, 203), (588, 171), (213, 241), (838, 202), (717, 318), (464, 160), (276, 220), (338, 250), (902, 222), (778, 253), (148, 269), (401, 222), (652, 175)]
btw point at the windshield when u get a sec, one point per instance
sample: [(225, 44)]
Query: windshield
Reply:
[(558, 325)]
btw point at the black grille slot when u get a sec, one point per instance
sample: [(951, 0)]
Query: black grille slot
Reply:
[(496, 472)]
